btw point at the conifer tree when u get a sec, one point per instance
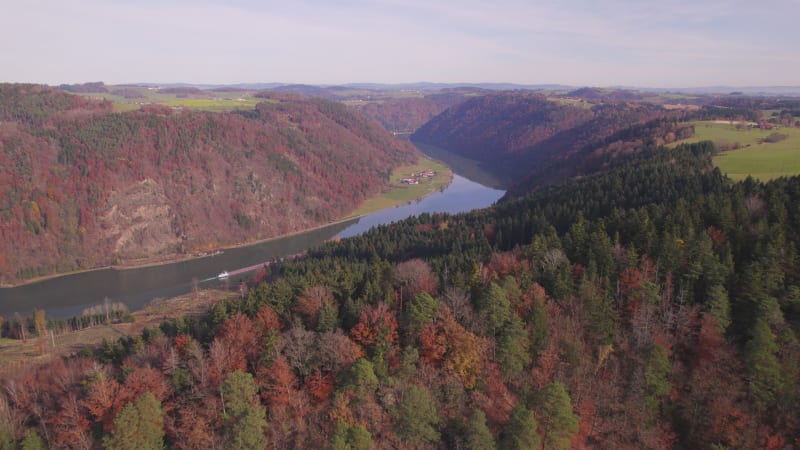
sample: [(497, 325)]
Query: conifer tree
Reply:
[(417, 417), (557, 420), (656, 376), (354, 437), (495, 308), (763, 365), (139, 426), (478, 435), (245, 417), (31, 441), (521, 432), (513, 348), (421, 311), (719, 307)]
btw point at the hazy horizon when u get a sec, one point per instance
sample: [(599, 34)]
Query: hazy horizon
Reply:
[(647, 44), (367, 84)]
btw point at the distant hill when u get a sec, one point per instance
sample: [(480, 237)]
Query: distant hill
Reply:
[(736, 90), (305, 89), (430, 86), (499, 86), (519, 135), (81, 186), (406, 115), (187, 90), (85, 88), (588, 93)]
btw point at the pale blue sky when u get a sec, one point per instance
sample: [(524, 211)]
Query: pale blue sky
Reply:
[(665, 43)]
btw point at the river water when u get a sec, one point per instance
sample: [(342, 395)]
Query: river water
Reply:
[(68, 295)]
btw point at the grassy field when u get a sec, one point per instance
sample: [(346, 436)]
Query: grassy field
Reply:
[(400, 194), (753, 157), (220, 100), (572, 102), (215, 104), (676, 96), (206, 101), (122, 104)]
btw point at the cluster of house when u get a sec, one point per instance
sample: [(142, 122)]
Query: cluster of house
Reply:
[(414, 178), (759, 125)]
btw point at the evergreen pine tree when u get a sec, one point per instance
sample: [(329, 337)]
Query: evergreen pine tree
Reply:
[(762, 363), (139, 426), (557, 420), (478, 435), (521, 431), (417, 417), (245, 418)]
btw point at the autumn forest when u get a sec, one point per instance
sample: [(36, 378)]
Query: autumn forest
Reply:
[(625, 294)]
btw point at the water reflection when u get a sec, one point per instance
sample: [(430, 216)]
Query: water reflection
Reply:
[(460, 196)]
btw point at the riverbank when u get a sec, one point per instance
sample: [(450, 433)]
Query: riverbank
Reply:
[(397, 195), (408, 184), (16, 354), (66, 296), (474, 170)]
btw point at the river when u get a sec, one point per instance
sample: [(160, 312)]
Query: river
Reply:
[(68, 295)]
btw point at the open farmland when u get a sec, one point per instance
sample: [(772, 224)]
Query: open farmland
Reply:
[(745, 151), (129, 98)]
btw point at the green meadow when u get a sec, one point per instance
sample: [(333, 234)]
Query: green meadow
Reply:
[(748, 154), (579, 103), (216, 101), (400, 194), (215, 104)]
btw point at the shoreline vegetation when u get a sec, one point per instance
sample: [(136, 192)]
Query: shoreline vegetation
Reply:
[(398, 194), (34, 350)]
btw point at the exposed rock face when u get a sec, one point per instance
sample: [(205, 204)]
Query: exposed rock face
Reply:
[(83, 187), (140, 222)]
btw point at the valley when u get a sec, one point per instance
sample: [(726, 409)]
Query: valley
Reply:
[(135, 286), (626, 292), (243, 225), (85, 187), (395, 194)]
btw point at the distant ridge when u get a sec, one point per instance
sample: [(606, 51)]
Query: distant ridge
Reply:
[(436, 86), (433, 86), (724, 90)]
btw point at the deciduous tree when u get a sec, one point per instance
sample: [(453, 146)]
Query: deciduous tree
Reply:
[(376, 329), (414, 276)]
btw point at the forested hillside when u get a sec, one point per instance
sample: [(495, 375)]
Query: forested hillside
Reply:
[(81, 186), (398, 110), (406, 115), (655, 304), (527, 138)]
